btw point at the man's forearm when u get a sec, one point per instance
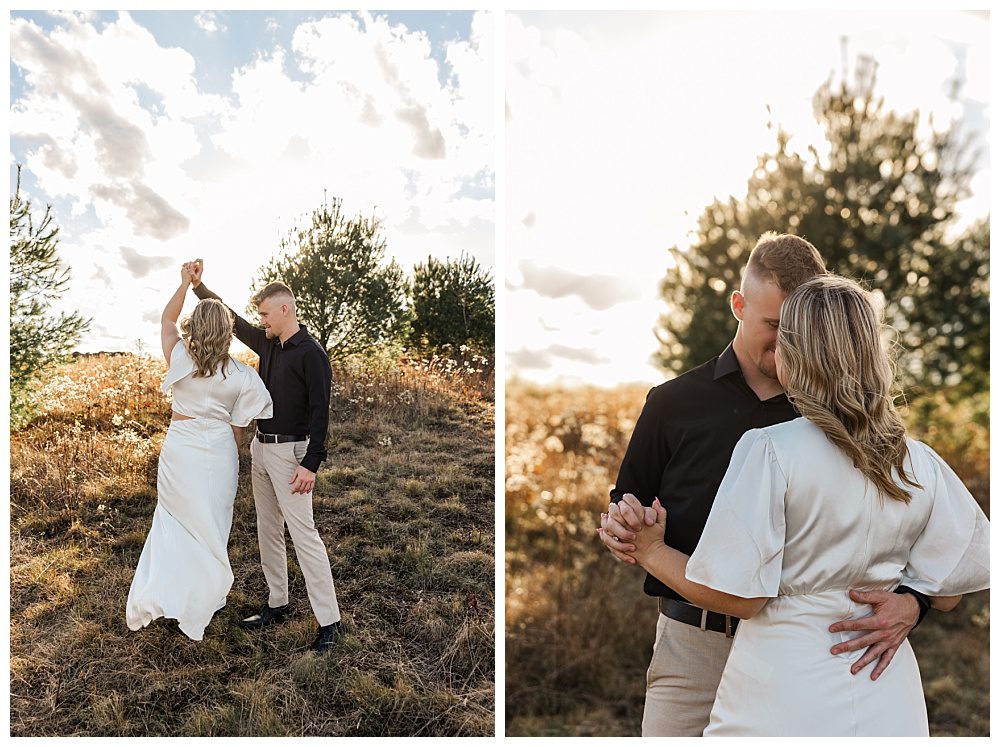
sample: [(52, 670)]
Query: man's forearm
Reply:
[(202, 292), (318, 377), (251, 336), (319, 421)]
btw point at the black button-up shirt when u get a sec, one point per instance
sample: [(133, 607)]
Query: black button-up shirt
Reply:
[(682, 443), (298, 376)]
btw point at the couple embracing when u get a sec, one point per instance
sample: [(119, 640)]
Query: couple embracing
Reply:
[(184, 572), (791, 532)]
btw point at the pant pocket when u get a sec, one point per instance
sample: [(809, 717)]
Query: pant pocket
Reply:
[(299, 449), (656, 663)]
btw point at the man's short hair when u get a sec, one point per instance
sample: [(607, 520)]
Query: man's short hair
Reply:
[(786, 260), (276, 288)]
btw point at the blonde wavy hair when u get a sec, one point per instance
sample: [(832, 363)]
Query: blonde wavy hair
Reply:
[(838, 374), (207, 335)]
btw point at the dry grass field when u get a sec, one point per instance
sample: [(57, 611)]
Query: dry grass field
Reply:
[(579, 629), (404, 503)]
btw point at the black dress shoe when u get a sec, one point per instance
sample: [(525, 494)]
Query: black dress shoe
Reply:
[(326, 637), (266, 616)]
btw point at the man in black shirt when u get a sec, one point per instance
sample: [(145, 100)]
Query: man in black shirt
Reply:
[(286, 454), (680, 450)]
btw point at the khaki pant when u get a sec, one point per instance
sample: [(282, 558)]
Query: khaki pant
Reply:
[(682, 678), (273, 467)]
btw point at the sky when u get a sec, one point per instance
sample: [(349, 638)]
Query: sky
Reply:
[(622, 127), (161, 136)]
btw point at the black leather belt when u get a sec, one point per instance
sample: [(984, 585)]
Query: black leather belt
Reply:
[(272, 438), (704, 619)]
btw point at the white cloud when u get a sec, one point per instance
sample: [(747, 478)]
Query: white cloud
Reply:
[(209, 22), (116, 127), (599, 292), (140, 265), (622, 127)]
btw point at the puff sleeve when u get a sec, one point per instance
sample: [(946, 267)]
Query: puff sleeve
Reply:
[(253, 402), (181, 365), (952, 554), (740, 552)]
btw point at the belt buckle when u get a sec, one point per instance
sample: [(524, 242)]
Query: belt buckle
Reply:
[(704, 619), (729, 627)]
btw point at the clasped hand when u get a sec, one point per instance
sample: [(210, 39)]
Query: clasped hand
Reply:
[(631, 531), (191, 272)]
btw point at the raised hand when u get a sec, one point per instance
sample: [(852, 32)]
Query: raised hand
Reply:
[(186, 273), (197, 267)]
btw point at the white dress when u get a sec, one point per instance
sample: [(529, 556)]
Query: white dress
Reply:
[(796, 521), (183, 571)]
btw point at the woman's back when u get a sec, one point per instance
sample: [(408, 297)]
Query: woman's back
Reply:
[(839, 534), (795, 520), (217, 397)]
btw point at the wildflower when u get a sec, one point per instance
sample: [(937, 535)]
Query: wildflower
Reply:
[(117, 420)]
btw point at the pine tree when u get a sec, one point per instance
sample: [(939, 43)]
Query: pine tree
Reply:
[(453, 304), (37, 279), (348, 299), (879, 205)]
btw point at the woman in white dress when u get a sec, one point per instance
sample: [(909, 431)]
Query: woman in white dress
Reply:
[(184, 571), (835, 500)]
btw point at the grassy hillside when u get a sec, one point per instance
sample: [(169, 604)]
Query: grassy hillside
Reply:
[(579, 629), (404, 503)]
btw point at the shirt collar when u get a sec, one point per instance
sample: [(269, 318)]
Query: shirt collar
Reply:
[(298, 337), (726, 363)]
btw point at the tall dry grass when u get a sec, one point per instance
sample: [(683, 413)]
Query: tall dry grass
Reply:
[(404, 503), (579, 629)]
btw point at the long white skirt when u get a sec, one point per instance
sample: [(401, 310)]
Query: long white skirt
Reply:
[(184, 571)]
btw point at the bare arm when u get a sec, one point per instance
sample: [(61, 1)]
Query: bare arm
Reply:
[(169, 334), (669, 565), (238, 434)]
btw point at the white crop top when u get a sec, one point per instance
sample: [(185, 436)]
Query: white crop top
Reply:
[(236, 398)]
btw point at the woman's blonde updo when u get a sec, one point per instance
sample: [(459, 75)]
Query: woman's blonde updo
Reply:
[(838, 374), (207, 335)]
